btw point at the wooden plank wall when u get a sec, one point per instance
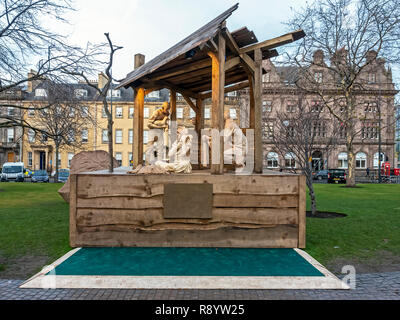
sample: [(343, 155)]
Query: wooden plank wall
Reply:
[(253, 211)]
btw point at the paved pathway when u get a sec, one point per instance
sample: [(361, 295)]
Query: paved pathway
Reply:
[(384, 286)]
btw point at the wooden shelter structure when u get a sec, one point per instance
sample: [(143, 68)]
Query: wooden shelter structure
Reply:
[(204, 208), (207, 64)]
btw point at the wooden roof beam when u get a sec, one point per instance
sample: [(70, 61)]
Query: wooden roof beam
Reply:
[(170, 86), (275, 42), (247, 62), (238, 86), (204, 63), (190, 103)]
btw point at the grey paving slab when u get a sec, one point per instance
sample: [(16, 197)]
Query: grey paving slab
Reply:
[(377, 286)]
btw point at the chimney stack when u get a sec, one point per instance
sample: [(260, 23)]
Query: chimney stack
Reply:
[(102, 80), (139, 60)]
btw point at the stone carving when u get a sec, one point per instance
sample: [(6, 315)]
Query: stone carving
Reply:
[(86, 161)]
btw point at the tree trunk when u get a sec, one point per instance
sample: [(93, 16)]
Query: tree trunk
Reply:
[(311, 192), (110, 144), (56, 161), (351, 177)]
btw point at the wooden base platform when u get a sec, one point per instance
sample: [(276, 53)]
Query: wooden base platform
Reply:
[(187, 210)]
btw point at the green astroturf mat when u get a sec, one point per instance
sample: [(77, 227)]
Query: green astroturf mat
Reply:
[(186, 262)]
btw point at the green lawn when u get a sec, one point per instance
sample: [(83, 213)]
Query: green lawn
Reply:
[(34, 221)]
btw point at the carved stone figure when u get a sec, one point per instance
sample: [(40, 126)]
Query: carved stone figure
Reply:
[(159, 118), (180, 151)]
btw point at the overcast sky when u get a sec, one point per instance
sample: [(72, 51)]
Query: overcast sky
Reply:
[(152, 26)]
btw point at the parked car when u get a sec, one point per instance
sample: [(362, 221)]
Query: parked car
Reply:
[(40, 176), (63, 175), (337, 176), (28, 173), (320, 175), (13, 171)]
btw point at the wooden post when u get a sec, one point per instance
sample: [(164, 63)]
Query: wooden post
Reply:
[(138, 118), (199, 126), (138, 127), (218, 86), (258, 146), (174, 127), (302, 212), (251, 96)]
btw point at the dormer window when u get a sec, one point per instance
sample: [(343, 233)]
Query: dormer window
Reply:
[(318, 77), (372, 78), (40, 93), (81, 93), (154, 95), (115, 93)]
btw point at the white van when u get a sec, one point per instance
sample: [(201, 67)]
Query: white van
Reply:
[(13, 171)]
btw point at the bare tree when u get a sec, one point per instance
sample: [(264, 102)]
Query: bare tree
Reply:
[(67, 116), (103, 93), (351, 34), (26, 43), (297, 134)]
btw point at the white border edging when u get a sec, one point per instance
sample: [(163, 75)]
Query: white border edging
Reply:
[(329, 281)]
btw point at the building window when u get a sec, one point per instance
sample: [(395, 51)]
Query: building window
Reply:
[(85, 111), (342, 131), (318, 77), (316, 106), (103, 113), (342, 160), (59, 160), (30, 159), (207, 113), (70, 156), (40, 93), (269, 130), (267, 77), (146, 113), (290, 161), (179, 113), (267, 106), (372, 78), (319, 129), (145, 136), (290, 133), (232, 113), (44, 137), (192, 114), (31, 112), (291, 106), (71, 112), (361, 160), (118, 157), (130, 157), (80, 93), (70, 136), (31, 136), (118, 112), (104, 135), (376, 159), (118, 136), (272, 160), (11, 111), (130, 136), (370, 130), (85, 136), (131, 110)]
